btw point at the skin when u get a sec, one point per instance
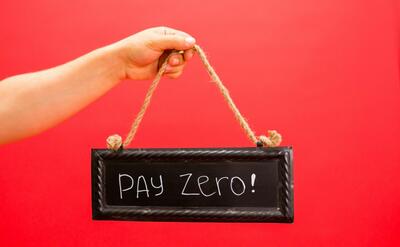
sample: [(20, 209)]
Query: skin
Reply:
[(33, 102)]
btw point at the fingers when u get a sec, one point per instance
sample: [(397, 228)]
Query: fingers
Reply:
[(188, 54), (175, 60), (174, 75), (174, 71), (178, 59), (168, 38), (176, 64)]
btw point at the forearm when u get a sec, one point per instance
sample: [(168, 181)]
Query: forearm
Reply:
[(31, 103)]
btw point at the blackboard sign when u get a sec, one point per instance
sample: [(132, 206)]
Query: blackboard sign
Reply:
[(218, 184)]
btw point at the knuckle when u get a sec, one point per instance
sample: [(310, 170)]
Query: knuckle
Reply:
[(151, 43), (165, 30)]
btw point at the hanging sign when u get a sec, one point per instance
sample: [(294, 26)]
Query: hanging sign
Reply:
[(203, 184), (227, 184)]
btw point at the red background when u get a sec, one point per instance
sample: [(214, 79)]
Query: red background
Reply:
[(325, 73)]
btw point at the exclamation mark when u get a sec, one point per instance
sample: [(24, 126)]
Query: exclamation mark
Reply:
[(253, 180)]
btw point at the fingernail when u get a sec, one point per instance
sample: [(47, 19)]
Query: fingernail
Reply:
[(190, 40)]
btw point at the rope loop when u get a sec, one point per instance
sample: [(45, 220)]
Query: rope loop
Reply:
[(114, 142)]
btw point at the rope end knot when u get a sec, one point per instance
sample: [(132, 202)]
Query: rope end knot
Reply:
[(114, 142), (272, 140)]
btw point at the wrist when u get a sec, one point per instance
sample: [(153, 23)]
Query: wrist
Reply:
[(111, 58)]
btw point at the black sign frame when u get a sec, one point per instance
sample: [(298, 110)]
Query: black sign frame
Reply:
[(283, 213)]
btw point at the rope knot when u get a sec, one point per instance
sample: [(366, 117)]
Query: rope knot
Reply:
[(272, 140), (114, 142)]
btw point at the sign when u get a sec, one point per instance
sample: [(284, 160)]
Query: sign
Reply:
[(202, 184)]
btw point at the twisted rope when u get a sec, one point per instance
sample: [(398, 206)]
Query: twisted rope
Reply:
[(273, 139)]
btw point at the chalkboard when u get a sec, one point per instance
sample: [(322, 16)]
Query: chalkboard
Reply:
[(201, 184)]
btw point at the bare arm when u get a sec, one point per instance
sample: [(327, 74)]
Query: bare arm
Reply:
[(31, 103)]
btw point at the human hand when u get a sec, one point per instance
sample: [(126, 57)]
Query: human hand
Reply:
[(141, 52)]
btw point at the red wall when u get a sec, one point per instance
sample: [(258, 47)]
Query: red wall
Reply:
[(325, 73)]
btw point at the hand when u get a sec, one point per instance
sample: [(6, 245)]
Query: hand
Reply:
[(141, 52)]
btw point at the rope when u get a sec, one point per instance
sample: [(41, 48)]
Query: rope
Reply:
[(273, 139)]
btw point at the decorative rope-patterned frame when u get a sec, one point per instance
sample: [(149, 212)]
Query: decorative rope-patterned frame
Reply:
[(282, 213)]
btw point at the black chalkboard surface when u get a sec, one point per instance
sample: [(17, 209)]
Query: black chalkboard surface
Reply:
[(202, 184)]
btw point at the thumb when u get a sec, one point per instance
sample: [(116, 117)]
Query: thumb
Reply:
[(163, 42)]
